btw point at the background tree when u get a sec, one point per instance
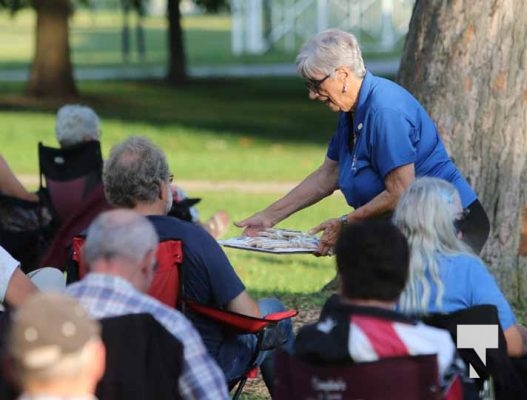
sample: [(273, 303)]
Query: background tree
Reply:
[(51, 69), (467, 65), (177, 62)]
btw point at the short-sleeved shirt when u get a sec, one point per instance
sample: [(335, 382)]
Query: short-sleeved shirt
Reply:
[(347, 332), (208, 276), (391, 129), (104, 295), (8, 265), (467, 282)]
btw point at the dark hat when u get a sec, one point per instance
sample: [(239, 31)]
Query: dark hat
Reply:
[(47, 327)]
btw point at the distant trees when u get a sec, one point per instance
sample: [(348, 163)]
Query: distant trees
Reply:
[(51, 67)]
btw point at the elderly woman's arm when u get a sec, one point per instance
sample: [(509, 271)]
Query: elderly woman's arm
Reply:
[(319, 184), (396, 182)]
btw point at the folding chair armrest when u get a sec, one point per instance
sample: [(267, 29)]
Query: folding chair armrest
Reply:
[(239, 322), (281, 315)]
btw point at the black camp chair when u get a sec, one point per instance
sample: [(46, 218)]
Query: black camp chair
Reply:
[(67, 177)]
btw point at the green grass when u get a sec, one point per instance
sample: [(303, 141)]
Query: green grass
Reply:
[(95, 40), (239, 130)]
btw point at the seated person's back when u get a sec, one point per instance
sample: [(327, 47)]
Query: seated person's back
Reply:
[(136, 176), (445, 275), (360, 324)]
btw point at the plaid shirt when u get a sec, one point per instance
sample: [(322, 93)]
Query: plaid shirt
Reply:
[(108, 296)]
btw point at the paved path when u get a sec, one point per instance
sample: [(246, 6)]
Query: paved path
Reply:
[(382, 67), (209, 186), (206, 186)]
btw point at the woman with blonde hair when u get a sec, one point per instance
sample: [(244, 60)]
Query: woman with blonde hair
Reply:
[(445, 275)]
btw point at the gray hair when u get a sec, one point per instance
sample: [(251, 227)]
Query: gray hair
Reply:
[(120, 233), (329, 50), (425, 214), (76, 123), (134, 171)]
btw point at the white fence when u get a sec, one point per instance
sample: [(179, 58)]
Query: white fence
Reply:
[(260, 25)]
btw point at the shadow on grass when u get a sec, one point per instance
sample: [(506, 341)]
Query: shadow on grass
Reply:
[(270, 109)]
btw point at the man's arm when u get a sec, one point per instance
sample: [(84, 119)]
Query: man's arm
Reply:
[(244, 304), (19, 288), (10, 185), (516, 338)]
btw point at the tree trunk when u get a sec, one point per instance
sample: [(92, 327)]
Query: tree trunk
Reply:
[(176, 47), (51, 71), (466, 62)]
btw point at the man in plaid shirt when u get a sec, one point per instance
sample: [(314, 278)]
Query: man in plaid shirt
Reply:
[(120, 250)]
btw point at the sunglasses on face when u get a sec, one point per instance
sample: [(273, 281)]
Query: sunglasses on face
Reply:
[(313, 85)]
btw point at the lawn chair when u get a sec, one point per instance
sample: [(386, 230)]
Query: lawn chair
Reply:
[(67, 176), (401, 378), (167, 286), (143, 360), (25, 230), (506, 382)]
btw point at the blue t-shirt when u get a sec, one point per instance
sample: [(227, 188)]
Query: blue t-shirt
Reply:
[(467, 283), (391, 129), (208, 276)]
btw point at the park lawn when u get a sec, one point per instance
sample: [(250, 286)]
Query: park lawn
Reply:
[(261, 129), (217, 130), (96, 41)]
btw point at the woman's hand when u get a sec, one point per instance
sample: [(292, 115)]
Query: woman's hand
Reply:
[(255, 223), (331, 229)]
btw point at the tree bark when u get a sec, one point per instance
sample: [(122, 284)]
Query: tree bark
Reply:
[(466, 62), (177, 62), (51, 70)]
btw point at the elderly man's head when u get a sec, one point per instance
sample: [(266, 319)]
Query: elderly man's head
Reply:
[(137, 173), (76, 124), (123, 243), (55, 347)]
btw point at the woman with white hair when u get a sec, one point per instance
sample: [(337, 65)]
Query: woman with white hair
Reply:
[(76, 124), (383, 140), (445, 275)]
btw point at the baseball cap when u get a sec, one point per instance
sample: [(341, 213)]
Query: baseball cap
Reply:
[(47, 327)]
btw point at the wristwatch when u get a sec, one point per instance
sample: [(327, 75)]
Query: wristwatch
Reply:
[(344, 219)]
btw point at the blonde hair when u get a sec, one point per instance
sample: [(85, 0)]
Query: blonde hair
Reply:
[(425, 214)]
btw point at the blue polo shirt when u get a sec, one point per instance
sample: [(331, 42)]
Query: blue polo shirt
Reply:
[(391, 129), (467, 282)]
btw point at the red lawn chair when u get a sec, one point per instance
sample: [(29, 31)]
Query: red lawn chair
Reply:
[(401, 378), (167, 287)]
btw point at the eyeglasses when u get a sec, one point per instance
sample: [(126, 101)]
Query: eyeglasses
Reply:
[(313, 85)]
